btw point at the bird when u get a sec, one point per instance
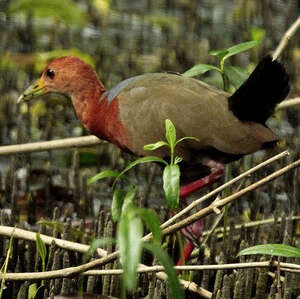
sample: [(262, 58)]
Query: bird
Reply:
[(133, 113)]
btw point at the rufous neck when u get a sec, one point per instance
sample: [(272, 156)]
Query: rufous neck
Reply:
[(101, 117), (85, 99)]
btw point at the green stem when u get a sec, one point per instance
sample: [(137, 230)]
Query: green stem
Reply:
[(225, 82), (181, 252), (225, 223), (181, 249), (44, 269), (4, 267), (123, 289), (80, 291), (172, 156)]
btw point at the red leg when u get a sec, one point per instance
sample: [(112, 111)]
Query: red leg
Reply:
[(194, 231), (217, 170), (188, 249)]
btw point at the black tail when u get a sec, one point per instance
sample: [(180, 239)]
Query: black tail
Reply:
[(256, 99)]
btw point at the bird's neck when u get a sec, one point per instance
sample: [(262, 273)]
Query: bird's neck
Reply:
[(99, 116)]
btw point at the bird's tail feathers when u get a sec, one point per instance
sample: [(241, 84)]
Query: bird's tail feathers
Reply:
[(257, 97)]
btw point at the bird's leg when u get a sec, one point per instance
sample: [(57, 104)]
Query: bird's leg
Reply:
[(216, 171), (194, 231)]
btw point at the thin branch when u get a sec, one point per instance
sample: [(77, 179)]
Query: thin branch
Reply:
[(288, 103), (213, 228), (288, 267), (31, 236), (49, 145), (219, 218), (184, 268), (252, 224), (286, 37)]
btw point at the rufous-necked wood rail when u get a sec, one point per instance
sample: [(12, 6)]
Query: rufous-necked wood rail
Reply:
[(132, 114)]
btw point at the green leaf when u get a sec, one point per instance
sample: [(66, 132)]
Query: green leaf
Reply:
[(129, 234), (40, 292), (236, 75), (170, 133), (96, 243), (65, 11), (152, 222), (166, 262), (187, 138), (147, 159), (240, 48), (41, 247), (171, 177), (272, 249), (129, 200), (225, 53), (102, 175), (199, 69), (154, 146), (219, 53), (32, 291), (5, 264), (178, 160), (117, 202)]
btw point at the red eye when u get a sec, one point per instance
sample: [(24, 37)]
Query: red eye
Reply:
[(50, 73)]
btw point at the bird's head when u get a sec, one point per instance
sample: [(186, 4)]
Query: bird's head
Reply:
[(66, 75)]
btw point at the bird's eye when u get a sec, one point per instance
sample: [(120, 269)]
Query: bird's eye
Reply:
[(50, 73)]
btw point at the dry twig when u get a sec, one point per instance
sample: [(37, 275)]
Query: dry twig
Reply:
[(288, 103), (251, 224), (50, 145), (31, 236), (286, 37)]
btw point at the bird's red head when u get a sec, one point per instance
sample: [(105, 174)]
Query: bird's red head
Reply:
[(68, 75)]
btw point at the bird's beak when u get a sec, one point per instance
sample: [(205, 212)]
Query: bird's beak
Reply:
[(36, 89)]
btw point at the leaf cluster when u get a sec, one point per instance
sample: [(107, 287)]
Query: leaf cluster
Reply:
[(230, 74)]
